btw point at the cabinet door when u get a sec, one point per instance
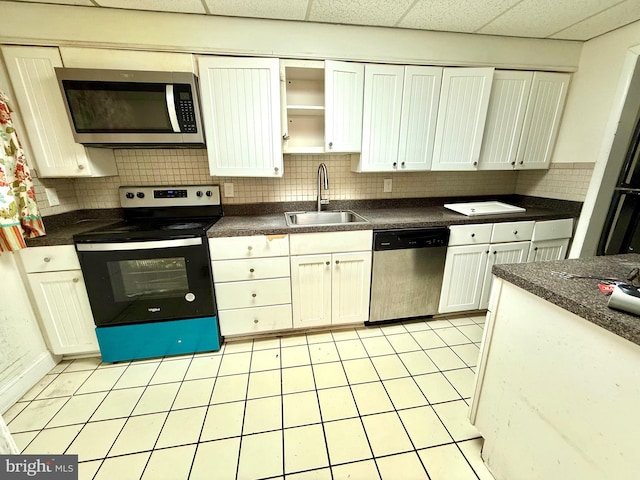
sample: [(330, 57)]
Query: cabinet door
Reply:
[(516, 252), (542, 119), (464, 272), (311, 290), (343, 89), (381, 117), (351, 286), (462, 113), (241, 110), (38, 96), (418, 120), (65, 313), (545, 250), (505, 117)]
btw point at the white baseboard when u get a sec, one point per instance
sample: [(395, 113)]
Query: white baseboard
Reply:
[(17, 387)]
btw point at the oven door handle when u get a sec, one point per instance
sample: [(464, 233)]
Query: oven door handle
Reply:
[(120, 246)]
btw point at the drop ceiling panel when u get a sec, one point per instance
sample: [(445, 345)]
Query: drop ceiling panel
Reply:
[(358, 12), (542, 18), (277, 9), (182, 6), (454, 15), (612, 18)]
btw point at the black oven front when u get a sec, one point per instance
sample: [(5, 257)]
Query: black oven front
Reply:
[(130, 282)]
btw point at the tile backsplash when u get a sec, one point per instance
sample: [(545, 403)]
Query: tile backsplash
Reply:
[(190, 166)]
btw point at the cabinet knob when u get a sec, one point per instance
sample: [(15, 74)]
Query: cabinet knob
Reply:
[(487, 251), (253, 295), (402, 164), (46, 259), (80, 167), (395, 164), (328, 263), (475, 163), (255, 320), (251, 270), (337, 262), (513, 163), (515, 232), (249, 248), (276, 169), (473, 235), (521, 162), (330, 144), (285, 137), (76, 280), (535, 249), (495, 252)]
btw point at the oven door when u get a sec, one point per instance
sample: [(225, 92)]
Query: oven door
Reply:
[(135, 282)]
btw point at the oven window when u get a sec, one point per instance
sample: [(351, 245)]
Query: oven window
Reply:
[(148, 278)]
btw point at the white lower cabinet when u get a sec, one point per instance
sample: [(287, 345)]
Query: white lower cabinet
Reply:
[(61, 300), (550, 240)]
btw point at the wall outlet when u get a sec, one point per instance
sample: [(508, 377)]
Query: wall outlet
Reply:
[(387, 185), (52, 196), (228, 190)]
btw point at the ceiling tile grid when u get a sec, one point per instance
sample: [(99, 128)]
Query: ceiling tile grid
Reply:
[(180, 6), (615, 17), (359, 12), (274, 9)]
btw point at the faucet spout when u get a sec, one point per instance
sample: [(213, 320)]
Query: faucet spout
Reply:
[(322, 169)]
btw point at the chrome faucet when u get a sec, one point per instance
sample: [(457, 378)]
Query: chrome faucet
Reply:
[(322, 168)]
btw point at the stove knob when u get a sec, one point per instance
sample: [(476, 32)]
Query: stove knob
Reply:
[(209, 193), (198, 193), (129, 195), (140, 194)]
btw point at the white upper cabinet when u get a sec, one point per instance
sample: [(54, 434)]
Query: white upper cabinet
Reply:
[(505, 118), (344, 83), (542, 119), (241, 110), (462, 112), (40, 103)]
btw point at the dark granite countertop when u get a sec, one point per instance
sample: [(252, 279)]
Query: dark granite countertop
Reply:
[(61, 228), (578, 295)]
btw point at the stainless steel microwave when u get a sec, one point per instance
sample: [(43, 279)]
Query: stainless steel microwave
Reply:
[(126, 108)]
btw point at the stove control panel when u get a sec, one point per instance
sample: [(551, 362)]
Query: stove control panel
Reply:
[(169, 196)]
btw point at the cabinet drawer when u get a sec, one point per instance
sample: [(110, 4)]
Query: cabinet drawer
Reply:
[(250, 269), (552, 229), (255, 246), (49, 259), (253, 320), (256, 293), (331, 242), (470, 234), (512, 232)]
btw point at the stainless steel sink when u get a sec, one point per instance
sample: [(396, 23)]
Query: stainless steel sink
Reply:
[(299, 219)]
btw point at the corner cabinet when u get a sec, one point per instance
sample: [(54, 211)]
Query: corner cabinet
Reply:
[(40, 103), (241, 113)]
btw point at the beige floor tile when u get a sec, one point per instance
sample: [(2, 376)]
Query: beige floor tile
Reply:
[(238, 346), (87, 470), (345, 334), (354, 471), (265, 360), (346, 441), (139, 434), (469, 353), (472, 449), (360, 371), (479, 319), (452, 336), (336, 404), (194, 393), (424, 427), (407, 463), (329, 375), (262, 414), (264, 446), (376, 346), (38, 388), (264, 384), (36, 415), (170, 463), (65, 384), (319, 337), (235, 363), (459, 321), (455, 415), (101, 380), (417, 363), (297, 379), (300, 409), (88, 363), (445, 358), (157, 398), (13, 411), (472, 332), (78, 409), (446, 463), (386, 434), (293, 340), (351, 349), (24, 439), (95, 439), (216, 459), (127, 467), (53, 440), (61, 366), (137, 375), (318, 474), (182, 427), (436, 324), (203, 367), (393, 329), (403, 342), (463, 381), (265, 343), (404, 393), (371, 398), (170, 370), (323, 352), (118, 403), (368, 332), (223, 421), (295, 356), (304, 448), (436, 388), (428, 339), (230, 389), (417, 326), (389, 367)]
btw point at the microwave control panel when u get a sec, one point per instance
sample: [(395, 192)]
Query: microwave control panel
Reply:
[(184, 108)]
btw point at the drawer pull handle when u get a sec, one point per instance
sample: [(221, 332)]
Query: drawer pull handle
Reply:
[(495, 252), (249, 248), (76, 280), (337, 262), (328, 263), (47, 259), (255, 320), (253, 295), (473, 235), (251, 270), (515, 232)]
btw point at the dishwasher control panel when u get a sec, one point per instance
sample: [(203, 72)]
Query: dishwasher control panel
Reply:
[(397, 239)]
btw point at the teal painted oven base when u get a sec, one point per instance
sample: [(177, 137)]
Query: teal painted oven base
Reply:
[(158, 339)]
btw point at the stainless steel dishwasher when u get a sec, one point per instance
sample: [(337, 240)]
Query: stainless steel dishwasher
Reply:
[(408, 265)]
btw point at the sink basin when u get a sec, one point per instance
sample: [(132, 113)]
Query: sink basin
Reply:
[(300, 219)]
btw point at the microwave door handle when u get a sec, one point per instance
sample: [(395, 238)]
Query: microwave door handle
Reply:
[(171, 108)]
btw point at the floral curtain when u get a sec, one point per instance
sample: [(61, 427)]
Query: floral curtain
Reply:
[(19, 215)]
